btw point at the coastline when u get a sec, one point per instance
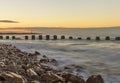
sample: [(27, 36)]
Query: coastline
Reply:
[(26, 68)]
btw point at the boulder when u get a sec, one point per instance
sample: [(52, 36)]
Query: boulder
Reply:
[(2, 65), (37, 53), (32, 74), (46, 60), (72, 68), (2, 79), (73, 78), (11, 77), (52, 77), (95, 79)]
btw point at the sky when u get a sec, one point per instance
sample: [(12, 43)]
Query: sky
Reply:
[(59, 13)]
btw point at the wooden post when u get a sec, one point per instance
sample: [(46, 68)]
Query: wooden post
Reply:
[(55, 37), (70, 37), (40, 37), (7, 37), (13, 37), (107, 38), (47, 37), (88, 38), (79, 38), (97, 38), (1, 37), (33, 37), (62, 37), (117, 38), (26, 37)]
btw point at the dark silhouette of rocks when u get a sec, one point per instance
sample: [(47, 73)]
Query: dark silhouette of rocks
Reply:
[(73, 78), (95, 79)]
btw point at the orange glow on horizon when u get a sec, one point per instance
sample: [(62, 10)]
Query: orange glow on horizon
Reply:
[(62, 25), (14, 31)]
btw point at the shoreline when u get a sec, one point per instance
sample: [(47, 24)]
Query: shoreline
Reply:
[(25, 67)]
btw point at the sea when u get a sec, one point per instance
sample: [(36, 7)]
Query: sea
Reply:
[(96, 57)]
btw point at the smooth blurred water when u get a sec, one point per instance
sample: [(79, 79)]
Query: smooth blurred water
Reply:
[(83, 32), (75, 32)]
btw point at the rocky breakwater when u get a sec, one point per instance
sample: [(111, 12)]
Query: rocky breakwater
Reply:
[(17, 66)]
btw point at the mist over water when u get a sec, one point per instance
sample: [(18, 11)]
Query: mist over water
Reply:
[(97, 57), (83, 32)]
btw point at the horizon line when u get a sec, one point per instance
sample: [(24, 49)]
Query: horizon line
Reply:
[(60, 27)]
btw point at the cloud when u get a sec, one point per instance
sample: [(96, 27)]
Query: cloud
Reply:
[(8, 21)]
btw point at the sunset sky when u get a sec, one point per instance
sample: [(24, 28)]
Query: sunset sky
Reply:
[(59, 13)]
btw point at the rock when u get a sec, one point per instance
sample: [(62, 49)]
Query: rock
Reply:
[(32, 74), (46, 60), (44, 56), (38, 69), (21, 55), (2, 64), (71, 68), (67, 67), (34, 54), (11, 77), (25, 67), (32, 82), (2, 79), (78, 68), (18, 50), (52, 78), (37, 53), (73, 78), (54, 62), (95, 79)]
